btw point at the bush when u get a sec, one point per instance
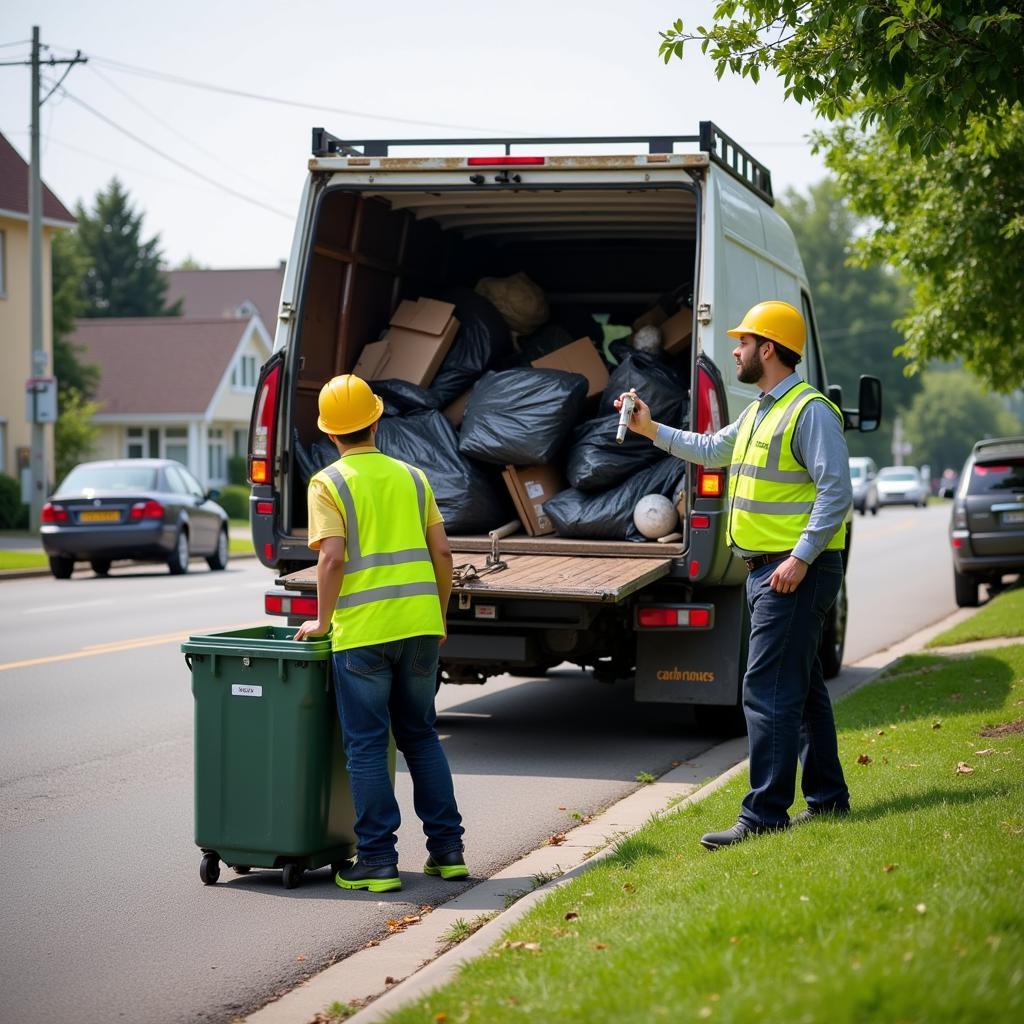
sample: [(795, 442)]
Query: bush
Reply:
[(13, 514), (238, 469), (235, 501)]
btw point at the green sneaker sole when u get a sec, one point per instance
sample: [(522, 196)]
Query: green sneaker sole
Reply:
[(372, 884), (448, 871)]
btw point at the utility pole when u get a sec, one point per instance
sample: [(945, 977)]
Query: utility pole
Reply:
[(38, 365)]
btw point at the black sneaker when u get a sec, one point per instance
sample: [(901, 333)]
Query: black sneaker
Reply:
[(375, 877), (447, 865), (818, 812), (740, 831)]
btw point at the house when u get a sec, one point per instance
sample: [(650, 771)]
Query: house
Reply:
[(227, 293), (15, 305), (175, 387)]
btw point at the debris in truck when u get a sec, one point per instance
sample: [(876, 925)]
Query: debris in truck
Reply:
[(654, 381), (415, 344), (401, 397), (530, 487), (578, 357), (608, 515), (519, 300), (676, 331), (522, 417), (647, 339), (597, 461), (655, 516)]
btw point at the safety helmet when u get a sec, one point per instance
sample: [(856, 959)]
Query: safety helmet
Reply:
[(347, 405), (776, 321)]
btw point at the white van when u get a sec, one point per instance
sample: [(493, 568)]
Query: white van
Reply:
[(612, 226)]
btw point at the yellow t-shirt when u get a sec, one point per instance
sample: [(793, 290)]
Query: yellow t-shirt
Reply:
[(327, 520)]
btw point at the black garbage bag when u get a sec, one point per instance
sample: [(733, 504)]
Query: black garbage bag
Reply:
[(466, 496), (303, 459), (655, 382), (596, 461), (608, 515), (522, 417), (401, 396), (546, 339), (482, 341)]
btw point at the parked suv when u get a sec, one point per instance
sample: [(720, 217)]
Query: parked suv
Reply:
[(987, 529), (865, 491)]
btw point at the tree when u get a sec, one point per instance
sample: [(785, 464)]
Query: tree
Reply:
[(68, 270), (75, 436), (951, 412), (123, 275)]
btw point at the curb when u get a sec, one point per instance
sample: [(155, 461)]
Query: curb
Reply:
[(411, 955)]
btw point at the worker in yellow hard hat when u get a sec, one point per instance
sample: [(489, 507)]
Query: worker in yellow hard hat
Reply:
[(789, 496), (383, 578)]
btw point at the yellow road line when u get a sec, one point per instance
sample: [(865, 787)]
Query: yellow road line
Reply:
[(117, 646)]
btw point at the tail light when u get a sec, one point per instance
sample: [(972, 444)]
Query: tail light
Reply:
[(675, 617), (284, 604), (146, 510), (52, 513), (504, 161), (262, 430), (710, 482)]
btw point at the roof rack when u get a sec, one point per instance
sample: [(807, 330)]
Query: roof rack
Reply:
[(721, 149)]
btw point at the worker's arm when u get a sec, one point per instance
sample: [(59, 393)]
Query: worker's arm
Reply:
[(330, 571), (441, 556)]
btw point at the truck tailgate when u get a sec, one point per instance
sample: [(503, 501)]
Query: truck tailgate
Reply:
[(553, 577)]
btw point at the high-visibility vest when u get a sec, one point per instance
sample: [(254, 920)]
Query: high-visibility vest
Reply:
[(389, 590), (770, 494)]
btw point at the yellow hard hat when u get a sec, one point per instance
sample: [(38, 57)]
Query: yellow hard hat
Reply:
[(347, 405), (776, 321)]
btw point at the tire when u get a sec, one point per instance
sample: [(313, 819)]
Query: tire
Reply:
[(62, 567), (966, 590), (833, 636), (219, 559), (874, 510), (177, 562), (209, 869), (100, 566), (242, 869), (863, 510), (291, 876)]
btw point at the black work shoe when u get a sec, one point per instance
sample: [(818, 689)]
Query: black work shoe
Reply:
[(740, 831), (375, 877), (818, 812), (447, 865)]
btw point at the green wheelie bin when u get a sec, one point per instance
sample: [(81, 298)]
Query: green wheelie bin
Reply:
[(271, 788)]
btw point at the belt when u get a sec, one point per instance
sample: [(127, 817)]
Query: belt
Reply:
[(758, 560)]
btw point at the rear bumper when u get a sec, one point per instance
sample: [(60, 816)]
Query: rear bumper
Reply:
[(145, 540), (987, 564)]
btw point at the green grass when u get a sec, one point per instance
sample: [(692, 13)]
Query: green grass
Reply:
[(1002, 616), (23, 560), (240, 546), (911, 910)]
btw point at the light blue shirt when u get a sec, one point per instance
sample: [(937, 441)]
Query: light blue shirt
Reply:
[(819, 446)]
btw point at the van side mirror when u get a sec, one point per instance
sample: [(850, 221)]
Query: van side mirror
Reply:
[(835, 394), (869, 404)]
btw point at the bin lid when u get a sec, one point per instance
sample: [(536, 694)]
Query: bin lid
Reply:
[(262, 642)]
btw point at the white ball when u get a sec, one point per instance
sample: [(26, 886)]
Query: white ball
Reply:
[(655, 516)]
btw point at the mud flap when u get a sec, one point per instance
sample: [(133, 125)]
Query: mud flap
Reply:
[(684, 666)]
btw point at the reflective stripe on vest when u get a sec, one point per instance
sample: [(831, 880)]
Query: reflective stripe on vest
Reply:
[(771, 495), (389, 590)]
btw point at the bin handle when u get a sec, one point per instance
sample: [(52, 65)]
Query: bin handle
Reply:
[(188, 661)]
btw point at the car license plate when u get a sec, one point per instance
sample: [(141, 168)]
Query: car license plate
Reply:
[(100, 516), (1013, 517)]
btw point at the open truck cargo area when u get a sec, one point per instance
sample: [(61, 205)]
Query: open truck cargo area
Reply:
[(394, 251)]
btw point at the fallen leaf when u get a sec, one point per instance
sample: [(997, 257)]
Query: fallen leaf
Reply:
[(676, 764), (535, 946), (985, 752), (881, 732), (572, 915), (440, 1018), (372, 942), (410, 918), (561, 807), (963, 768), (389, 980), (300, 957), (628, 887), (863, 759), (557, 839), (921, 908), (890, 868), (599, 945), (425, 908)]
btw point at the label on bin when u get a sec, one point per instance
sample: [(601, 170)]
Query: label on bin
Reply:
[(241, 690)]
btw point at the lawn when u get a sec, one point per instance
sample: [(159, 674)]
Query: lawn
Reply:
[(911, 910), (23, 560), (1002, 616), (240, 546)]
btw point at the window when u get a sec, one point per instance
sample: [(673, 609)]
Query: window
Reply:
[(176, 444), (215, 460), (135, 443), (241, 442), (191, 483), (243, 374), (175, 480), (3, 264)]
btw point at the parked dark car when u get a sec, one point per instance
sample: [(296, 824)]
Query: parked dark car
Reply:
[(987, 528), (146, 509)]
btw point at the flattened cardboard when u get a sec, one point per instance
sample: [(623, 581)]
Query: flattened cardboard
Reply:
[(426, 315), (530, 487), (373, 361), (456, 412), (578, 357), (676, 330)]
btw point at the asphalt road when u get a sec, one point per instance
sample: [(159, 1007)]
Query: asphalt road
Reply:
[(104, 916)]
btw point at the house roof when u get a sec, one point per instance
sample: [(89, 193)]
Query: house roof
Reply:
[(158, 365), (220, 293), (14, 185)]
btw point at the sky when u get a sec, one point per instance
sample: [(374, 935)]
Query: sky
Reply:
[(394, 69)]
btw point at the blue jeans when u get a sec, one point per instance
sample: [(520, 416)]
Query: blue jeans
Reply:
[(391, 687), (785, 702)]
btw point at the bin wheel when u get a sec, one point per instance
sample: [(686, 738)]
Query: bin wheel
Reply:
[(242, 869), (291, 876), (209, 868)]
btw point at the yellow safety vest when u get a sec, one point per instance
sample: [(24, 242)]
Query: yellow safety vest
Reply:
[(389, 590), (770, 494)]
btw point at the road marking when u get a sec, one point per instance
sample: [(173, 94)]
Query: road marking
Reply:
[(119, 645), (65, 607)]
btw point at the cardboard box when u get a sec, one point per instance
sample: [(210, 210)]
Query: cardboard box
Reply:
[(456, 412), (654, 317), (373, 360), (676, 330), (578, 357), (414, 346), (530, 487)]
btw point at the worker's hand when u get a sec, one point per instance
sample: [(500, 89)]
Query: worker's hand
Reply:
[(640, 422), (311, 627), (788, 576)]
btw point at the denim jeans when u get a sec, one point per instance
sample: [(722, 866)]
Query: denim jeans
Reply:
[(785, 702), (386, 687)]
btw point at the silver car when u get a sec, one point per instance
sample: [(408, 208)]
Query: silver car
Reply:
[(901, 485), (863, 477)]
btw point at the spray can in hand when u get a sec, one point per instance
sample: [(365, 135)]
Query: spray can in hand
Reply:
[(625, 415)]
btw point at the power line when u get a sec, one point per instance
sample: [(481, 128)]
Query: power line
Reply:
[(178, 163)]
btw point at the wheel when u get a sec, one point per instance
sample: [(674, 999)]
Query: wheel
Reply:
[(62, 567), (863, 510), (209, 868), (966, 590), (219, 559), (241, 869), (100, 566), (178, 561), (833, 636), (874, 510), (291, 876)]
